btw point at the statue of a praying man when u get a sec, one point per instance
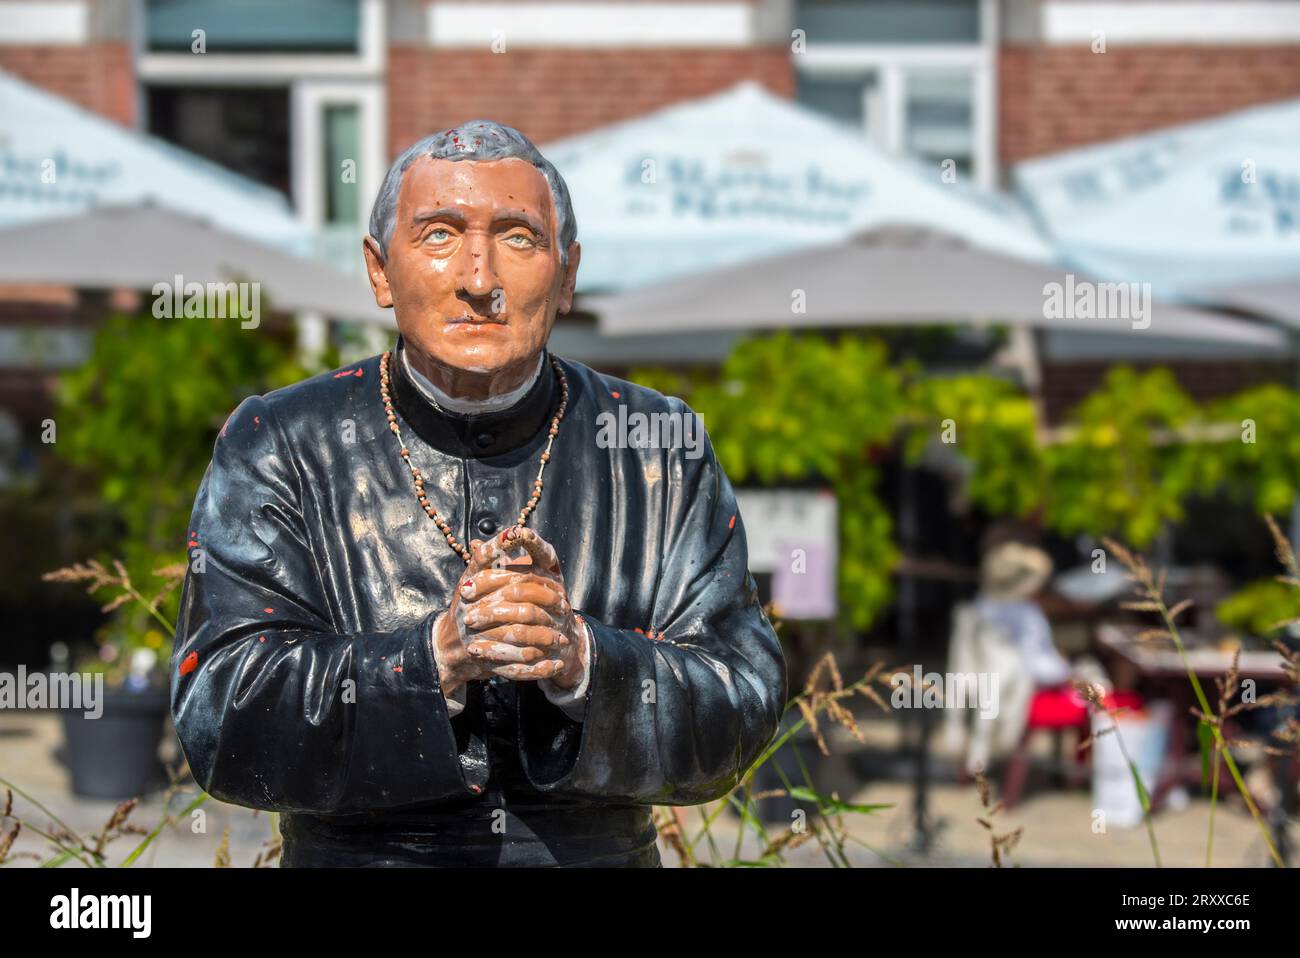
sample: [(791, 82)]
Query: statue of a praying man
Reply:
[(446, 617)]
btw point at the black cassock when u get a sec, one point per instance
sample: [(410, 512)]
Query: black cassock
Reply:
[(303, 679)]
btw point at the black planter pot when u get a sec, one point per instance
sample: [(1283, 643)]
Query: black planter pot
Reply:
[(115, 756)]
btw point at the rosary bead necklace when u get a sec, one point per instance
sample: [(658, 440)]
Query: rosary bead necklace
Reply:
[(459, 548)]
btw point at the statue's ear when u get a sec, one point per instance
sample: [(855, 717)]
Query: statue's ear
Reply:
[(570, 278), (376, 269)]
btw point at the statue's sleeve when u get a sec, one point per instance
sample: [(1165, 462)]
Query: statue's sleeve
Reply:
[(678, 707), (276, 708)]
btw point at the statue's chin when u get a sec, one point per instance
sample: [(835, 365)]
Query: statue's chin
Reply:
[(477, 355)]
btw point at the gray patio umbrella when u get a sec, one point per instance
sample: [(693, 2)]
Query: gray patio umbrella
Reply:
[(896, 277), (1274, 299), (135, 247)]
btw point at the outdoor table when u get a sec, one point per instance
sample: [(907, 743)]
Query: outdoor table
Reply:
[(1159, 664)]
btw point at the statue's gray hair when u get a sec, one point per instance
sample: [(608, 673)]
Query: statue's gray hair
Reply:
[(475, 140)]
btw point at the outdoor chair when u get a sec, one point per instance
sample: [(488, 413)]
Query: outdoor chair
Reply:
[(1057, 710)]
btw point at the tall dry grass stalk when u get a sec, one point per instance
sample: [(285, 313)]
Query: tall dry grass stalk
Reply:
[(999, 845), (96, 577), (821, 703), (1096, 700), (1150, 591)]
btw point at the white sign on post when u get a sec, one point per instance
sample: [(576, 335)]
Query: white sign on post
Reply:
[(793, 534)]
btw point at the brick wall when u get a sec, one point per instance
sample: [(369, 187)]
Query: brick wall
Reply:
[(98, 76), (583, 88), (1053, 98)]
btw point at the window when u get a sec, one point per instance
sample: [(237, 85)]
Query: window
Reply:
[(291, 93), (342, 151), (889, 21), (254, 26), (245, 129), (841, 97), (340, 230), (915, 76), (939, 121)]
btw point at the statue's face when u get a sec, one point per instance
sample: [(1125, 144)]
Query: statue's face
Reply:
[(473, 269)]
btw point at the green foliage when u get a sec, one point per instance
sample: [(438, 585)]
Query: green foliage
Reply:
[(992, 424), (1258, 608), (788, 408), (142, 414), (792, 408), (138, 422), (1259, 456), (1123, 468), (867, 554)]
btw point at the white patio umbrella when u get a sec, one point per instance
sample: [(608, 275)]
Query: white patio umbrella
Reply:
[(744, 173), (1208, 204), (57, 159)]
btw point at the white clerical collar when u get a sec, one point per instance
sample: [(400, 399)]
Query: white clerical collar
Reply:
[(468, 407)]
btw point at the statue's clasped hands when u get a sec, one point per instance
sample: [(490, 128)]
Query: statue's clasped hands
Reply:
[(516, 623)]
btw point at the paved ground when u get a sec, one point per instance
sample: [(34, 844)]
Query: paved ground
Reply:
[(1058, 824)]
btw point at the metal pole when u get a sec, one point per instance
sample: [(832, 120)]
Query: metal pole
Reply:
[(918, 719)]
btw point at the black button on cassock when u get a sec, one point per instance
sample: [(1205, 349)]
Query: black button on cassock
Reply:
[(487, 525), (484, 439)]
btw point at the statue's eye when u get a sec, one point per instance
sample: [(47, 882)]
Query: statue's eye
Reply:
[(439, 235), (520, 240)]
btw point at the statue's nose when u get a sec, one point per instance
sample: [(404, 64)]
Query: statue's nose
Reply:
[(477, 269)]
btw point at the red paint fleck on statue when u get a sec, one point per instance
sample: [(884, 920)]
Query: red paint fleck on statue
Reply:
[(190, 664)]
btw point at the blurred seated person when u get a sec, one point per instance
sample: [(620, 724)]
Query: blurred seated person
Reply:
[(1003, 635), (1010, 576)]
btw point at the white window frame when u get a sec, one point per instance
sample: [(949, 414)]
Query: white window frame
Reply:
[(1196, 22), (308, 101), (891, 63), (370, 61), (313, 81), (64, 23)]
